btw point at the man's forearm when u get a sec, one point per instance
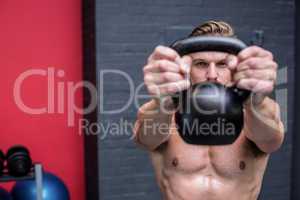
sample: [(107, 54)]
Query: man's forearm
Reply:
[(263, 125), (152, 126)]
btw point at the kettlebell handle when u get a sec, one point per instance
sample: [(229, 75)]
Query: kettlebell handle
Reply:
[(211, 43), (208, 43)]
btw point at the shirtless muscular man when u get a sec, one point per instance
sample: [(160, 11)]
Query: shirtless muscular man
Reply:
[(199, 172)]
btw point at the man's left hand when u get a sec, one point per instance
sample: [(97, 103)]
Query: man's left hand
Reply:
[(256, 71)]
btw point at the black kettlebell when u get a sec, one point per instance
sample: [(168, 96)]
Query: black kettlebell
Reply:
[(19, 162), (209, 113)]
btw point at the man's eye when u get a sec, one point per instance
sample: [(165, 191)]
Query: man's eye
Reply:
[(222, 64), (201, 64)]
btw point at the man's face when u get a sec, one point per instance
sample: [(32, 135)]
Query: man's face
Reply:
[(212, 67)]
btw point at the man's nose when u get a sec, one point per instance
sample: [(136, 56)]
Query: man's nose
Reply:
[(212, 72)]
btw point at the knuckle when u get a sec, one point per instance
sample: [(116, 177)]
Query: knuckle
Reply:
[(258, 48), (158, 49), (249, 72), (275, 64), (160, 65), (254, 47), (150, 58), (171, 89), (170, 77), (272, 76), (146, 69), (166, 77), (152, 89), (266, 52), (149, 88), (270, 54), (165, 52), (252, 61), (271, 86), (163, 63), (147, 79), (173, 54), (271, 64), (275, 75)]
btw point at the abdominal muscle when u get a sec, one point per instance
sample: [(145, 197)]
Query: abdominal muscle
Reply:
[(201, 186), (195, 187), (195, 172)]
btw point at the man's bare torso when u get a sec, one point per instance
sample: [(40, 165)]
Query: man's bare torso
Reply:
[(191, 172)]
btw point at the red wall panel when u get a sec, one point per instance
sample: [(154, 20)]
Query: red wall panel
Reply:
[(43, 35)]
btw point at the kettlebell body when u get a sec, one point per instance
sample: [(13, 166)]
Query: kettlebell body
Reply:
[(210, 114)]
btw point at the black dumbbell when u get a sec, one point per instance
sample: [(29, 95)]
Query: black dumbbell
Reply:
[(2, 159), (18, 160)]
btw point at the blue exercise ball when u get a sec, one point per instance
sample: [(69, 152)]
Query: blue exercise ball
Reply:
[(4, 195), (53, 189)]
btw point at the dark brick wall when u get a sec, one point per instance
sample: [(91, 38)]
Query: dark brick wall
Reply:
[(128, 30)]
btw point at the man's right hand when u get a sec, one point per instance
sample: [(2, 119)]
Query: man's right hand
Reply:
[(166, 72)]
